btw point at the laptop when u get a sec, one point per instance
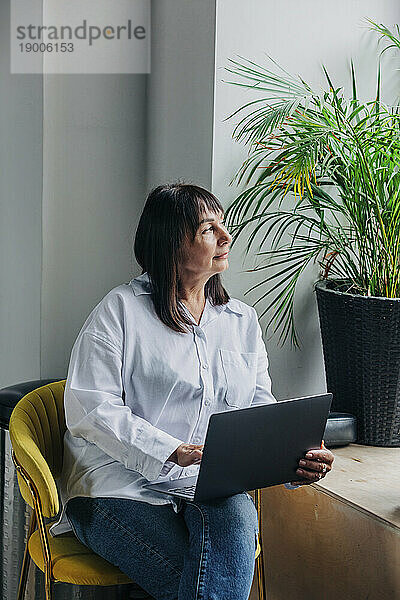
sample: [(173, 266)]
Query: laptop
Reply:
[(252, 448)]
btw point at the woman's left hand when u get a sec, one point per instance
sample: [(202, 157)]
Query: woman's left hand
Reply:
[(317, 463)]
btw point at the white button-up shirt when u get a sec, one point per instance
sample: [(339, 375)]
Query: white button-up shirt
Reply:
[(136, 390)]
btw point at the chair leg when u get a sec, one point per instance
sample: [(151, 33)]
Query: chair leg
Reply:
[(26, 560), (41, 527), (48, 585), (260, 560)]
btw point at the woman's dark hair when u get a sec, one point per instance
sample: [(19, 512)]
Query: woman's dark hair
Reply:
[(172, 213)]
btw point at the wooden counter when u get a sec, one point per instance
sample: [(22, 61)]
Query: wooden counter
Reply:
[(338, 539)]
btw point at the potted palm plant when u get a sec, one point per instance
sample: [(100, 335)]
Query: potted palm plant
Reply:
[(322, 185)]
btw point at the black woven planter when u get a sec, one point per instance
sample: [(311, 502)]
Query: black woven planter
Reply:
[(361, 343)]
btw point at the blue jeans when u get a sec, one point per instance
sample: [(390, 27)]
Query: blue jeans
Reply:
[(204, 552)]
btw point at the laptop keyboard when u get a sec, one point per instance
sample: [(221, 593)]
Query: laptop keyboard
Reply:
[(185, 491)]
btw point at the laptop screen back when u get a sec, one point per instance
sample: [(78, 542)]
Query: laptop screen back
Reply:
[(260, 446)]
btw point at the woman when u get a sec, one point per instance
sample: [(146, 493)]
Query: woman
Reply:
[(154, 359)]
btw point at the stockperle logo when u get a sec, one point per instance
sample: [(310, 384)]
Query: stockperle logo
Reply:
[(85, 36)]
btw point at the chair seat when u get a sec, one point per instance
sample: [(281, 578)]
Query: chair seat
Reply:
[(75, 563)]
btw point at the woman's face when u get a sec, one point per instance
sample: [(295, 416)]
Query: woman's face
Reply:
[(207, 254)]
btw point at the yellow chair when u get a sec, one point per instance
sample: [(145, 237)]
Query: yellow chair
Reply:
[(37, 427)]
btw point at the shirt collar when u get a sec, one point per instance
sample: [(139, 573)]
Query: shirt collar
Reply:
[(142, 285)]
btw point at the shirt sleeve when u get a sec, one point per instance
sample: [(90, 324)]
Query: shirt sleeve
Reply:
[(95, 409)]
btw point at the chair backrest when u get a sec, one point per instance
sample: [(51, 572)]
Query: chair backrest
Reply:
[(37, 427)]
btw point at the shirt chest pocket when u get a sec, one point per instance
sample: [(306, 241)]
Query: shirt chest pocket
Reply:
[(240, 372)]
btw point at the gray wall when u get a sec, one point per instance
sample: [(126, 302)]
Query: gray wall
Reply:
[(300, 36), (89, 147), (93, 189), (107, 140), (20, 215), (180, 92)]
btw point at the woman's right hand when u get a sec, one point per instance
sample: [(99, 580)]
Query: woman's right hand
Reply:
[(187, 454)]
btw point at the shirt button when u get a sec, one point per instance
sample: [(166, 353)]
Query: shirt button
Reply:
[(205, 366), (207, 402)]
